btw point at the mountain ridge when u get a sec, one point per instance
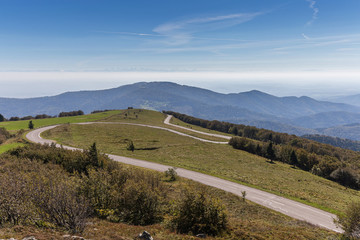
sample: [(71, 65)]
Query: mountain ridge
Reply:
[(295, 115)]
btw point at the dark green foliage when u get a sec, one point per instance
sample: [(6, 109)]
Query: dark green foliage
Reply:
[(171, 174), (346, 176), (350, 221), (139, 204), (96, 160), (14, 119), (71, 161), (270, 153), (122, 195), (42, 116), (70, 114), (2, 118), (293, 158), (130, 146), (31, 125), (197, 212)]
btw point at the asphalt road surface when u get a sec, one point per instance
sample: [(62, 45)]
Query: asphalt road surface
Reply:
[(283, 205)]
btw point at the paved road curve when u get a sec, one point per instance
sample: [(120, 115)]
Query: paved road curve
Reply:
[(288, 207), (167, 121)]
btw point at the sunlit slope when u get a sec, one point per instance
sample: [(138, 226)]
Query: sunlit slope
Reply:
[(219, 160), (23, 124)]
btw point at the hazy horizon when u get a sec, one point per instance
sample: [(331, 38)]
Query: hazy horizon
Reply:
[(316, 85), (301, 47)]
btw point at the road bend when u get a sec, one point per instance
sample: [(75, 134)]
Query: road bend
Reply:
[(280, 204)]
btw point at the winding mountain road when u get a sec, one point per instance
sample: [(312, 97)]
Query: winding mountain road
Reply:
[(283, 205)]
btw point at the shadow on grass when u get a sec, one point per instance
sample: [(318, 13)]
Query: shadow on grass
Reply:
[(149, 148)]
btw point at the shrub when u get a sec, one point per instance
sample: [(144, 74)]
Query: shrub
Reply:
[(71, 161), (31, 125), (350, 221), (58, 202), (124, 195), (346, 177), (15, 207), (102, 188), (198, 213), (130, 146), (172, 174), (139, 204), (4, 135)]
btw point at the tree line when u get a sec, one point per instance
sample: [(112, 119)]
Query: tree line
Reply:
[(324, 160)]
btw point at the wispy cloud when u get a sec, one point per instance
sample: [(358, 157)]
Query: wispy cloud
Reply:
[(315, 10), (181, 32), (131, 34), (305, 36)]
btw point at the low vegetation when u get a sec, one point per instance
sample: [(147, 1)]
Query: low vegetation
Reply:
[(350, 221), (4, 135), (40, 188), (199, 214)]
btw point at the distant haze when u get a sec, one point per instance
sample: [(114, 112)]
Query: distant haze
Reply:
[(314, 84)]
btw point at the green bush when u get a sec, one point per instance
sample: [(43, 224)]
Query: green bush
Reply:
[(124, 195), (171, 174), (71, 161), (139, 204), (198, 213)]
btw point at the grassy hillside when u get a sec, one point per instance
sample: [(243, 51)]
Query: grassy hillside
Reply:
[(219, 160), (141, 116), (14, 126), (49, 165)]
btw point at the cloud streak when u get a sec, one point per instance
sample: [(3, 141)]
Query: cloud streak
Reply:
[(181, 32), (315, 10)]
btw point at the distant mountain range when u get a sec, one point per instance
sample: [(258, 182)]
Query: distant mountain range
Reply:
[(294, 115), (352, 100)]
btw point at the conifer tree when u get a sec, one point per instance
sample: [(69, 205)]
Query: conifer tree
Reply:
[(270, 152), (293, 158), (93, 155), (31, 125)]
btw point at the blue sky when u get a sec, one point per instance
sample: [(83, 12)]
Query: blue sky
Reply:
[(259, 44)]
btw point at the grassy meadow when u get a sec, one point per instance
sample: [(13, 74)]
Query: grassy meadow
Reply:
[(218, 160), (14, 126), (157, 119), (7, 146)]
